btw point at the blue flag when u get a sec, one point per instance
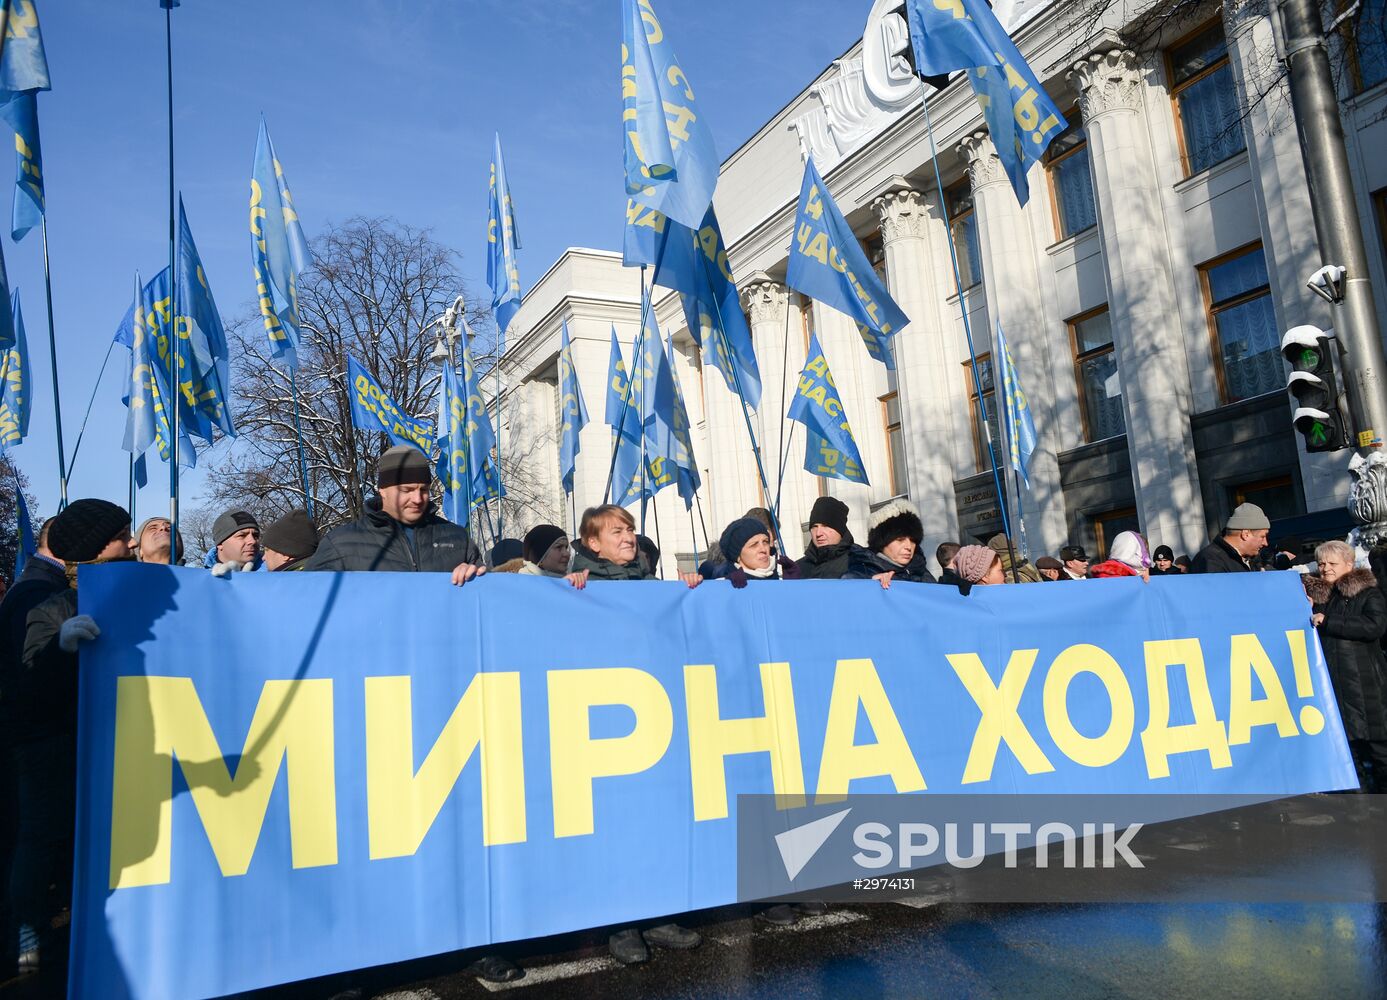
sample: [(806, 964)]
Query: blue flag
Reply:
[(22, 113), (374, 410), (828, 265), (656, 397), (502, 240), (25, 67), (671, 162), (1020, 424), (694, 263), (485, 477), (689, 479), (950, 35), (7, 335), (27, 546), (206, 372), (572, 410), (831, 450), (16, 383), (618, 385), (146, 394), (279, 252), (453, 459)]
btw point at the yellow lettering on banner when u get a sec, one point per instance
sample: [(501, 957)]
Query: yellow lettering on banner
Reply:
[(401, 805), (1246, 657), (1160, 739), (954, 7), (1000, 720), (1090, 751), (814, 204), (653, 32), (856, 682), (576, 759), (712, 738), (159, 719)]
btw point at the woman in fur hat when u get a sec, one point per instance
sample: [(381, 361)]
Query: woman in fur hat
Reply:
[(893, 548), (1350, 613)]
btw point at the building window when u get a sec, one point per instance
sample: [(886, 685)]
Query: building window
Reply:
[(895, 442), (1071, 179), (989, 397), (1206, 100), (1242, 321), (1095, 370), (963, 228), (1365, 37), (1277, 497), (1107, 527), (875, 249)]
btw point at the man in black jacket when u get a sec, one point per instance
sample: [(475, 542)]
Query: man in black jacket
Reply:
[(400, 533), (1243, 537), (830, 541)]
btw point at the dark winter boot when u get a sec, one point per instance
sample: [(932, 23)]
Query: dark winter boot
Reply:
[(673, 936), (628, 947)]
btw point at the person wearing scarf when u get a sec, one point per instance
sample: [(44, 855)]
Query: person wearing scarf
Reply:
[(747, 543), (974, 566), (1129, 556), (893, 548)]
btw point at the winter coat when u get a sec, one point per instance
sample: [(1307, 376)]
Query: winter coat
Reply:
[(952, 579), (1025, 572), (40, 580), (1219, 557), (829, 563), (1355, 620), (863, 564), (376, 542), (604, 569), (1111, 570), (781, 569), (46, 699)]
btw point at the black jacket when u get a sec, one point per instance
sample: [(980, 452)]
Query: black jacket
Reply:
[(825, 564), (964, 586), (1219, 557), (863, 564), (604, 569), (1355, 620), (379, 543), (46, 696), (39, 581)]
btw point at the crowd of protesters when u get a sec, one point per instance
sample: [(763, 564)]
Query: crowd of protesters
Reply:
[(41, 631)]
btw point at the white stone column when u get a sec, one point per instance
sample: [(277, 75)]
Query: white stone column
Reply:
[(767, 303), (1013, 296), (923, 371), (733, 487), (1147, 334)]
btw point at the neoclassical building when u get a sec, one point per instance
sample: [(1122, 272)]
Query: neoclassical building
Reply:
[(1143, 289)]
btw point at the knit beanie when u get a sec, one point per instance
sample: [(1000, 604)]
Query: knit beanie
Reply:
[(401, 465), (539, 539), (84, 528), (1129, 548), (1248, 517), (831, 513), (293, 535), (231, 522), (898, 519), (505, 550), (1163, 552), (735, 536), (973, 561)]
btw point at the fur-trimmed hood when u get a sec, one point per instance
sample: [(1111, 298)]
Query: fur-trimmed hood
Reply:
[(1350, 585)]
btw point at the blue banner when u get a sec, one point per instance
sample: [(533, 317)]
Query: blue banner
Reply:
[(25, 67), (481, 438), (828, 264), (146, 393), (1021, 438), (453, 460), (279, 252), (831, 450), (949, 35), (204, 362), (21, 111), (685, 463), (25, 527), (16, 382), (267, 804), (374, 410), (502, 240)]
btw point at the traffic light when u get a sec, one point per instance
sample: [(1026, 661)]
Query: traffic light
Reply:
[(1317, 416)]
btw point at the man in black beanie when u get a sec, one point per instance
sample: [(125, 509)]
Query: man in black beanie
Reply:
[(44, 741), (830, 541), (289, 542), (400, 532)]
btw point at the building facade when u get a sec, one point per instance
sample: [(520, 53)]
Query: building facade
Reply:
[(1143, 288)]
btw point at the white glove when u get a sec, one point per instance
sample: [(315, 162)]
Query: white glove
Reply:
[(224, 568), (77, 629)]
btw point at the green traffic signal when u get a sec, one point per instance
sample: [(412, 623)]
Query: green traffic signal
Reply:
[(1319, 434), (1309, 360)]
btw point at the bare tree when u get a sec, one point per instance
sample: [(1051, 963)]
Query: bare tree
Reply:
[(195, 526), (12, 479), (371, 293)]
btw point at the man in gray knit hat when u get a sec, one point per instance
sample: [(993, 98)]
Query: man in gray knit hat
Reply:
[(1244, 536)]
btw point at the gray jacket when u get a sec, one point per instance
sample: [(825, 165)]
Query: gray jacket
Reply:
[(378, 543)]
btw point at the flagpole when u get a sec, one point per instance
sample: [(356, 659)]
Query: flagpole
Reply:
[(500, 504), (177, 364), (573, 512), (693, 538), (626, 396), (72, 462), (660, 564), (784, 391), (298, 433), (131, 488), (53, 356), (972, 352)]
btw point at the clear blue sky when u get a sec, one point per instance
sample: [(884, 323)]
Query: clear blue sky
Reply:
[(383, 107)]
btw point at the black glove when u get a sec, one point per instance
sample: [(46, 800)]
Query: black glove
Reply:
[(738, 577), (789, 569)]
